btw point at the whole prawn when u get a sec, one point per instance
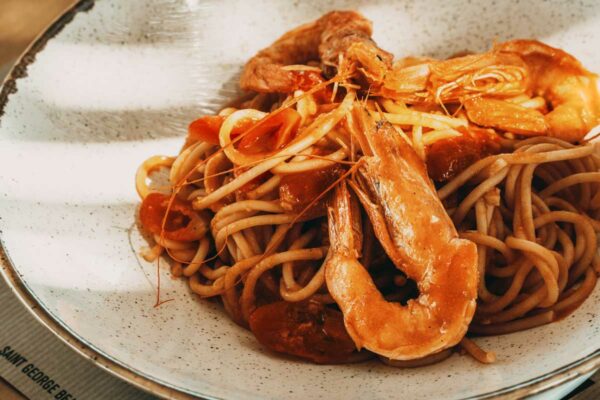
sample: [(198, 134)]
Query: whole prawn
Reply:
[(485, 82), (324, 39), (556, 76), (481, 82), (431, 82), (413, 228)]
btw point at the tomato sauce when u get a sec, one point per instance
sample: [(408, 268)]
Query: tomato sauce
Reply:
[(306, 80), (308, 330), (206, 129), (182, 222), (446, 158), (253, 184), (270, 133), (297, 191)]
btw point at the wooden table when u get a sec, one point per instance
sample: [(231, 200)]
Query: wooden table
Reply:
[(589, 390), (21, 21), (7, 392)]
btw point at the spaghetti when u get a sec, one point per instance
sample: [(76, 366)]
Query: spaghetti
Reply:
[(243, 217)]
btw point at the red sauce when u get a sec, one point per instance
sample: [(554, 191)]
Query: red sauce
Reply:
[(271, 133), (308, 330), (253, 184), (297, 191), (306, 80), (206, 129), (182, 223), (448, 157)]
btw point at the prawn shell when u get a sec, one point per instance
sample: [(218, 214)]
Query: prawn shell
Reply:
[(416, 233)]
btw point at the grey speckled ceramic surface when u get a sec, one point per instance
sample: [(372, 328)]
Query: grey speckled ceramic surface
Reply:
[(119, 83)]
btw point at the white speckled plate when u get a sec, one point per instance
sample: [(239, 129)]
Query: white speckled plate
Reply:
[(110, 84)]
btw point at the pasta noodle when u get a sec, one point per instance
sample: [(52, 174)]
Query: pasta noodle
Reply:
[(243, 217)]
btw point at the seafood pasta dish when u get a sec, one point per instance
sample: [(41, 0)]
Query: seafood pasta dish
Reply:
[(354, 205)]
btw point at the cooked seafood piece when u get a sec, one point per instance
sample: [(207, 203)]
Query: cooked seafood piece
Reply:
[(415, 231)]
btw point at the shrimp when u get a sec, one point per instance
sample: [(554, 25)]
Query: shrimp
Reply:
[(559, 78), (431, 82), (326, 39), (483, 83), (412, 226)]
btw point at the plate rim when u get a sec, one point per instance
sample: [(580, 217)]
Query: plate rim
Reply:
[(537, 385)]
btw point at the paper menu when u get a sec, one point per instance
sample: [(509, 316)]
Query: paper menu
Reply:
[(41, 366)]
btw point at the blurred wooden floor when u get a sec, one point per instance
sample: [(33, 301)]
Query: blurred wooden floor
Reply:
[(589, 390), (7, 392), (20, 22)]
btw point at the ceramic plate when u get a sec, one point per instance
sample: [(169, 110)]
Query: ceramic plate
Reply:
[(112, 83)]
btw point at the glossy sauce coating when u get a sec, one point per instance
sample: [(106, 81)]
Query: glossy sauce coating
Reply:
[(181, 223), (446, 158), (270, 133), (308, 330), (297, 191)]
